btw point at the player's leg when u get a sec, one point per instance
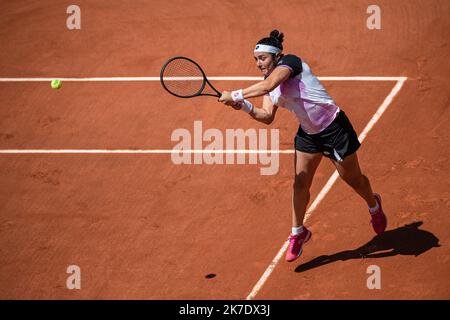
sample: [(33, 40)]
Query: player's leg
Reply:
[(350, 171), (305, 167)]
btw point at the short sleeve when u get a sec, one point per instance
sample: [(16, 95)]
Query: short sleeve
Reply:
[(292, 62)]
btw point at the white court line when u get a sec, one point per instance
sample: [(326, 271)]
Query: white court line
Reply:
[(132, 151), (231, 78), (387, 101)]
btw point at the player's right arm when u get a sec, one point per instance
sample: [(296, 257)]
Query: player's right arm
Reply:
[(266, 114)]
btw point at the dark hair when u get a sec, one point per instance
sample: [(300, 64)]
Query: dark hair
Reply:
[(275, 39)]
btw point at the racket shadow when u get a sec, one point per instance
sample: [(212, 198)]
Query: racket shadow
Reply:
[(406, 240)]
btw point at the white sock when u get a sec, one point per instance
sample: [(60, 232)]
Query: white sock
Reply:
[(374, 209), (297, 231)]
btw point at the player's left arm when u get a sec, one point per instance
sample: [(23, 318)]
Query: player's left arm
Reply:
[(278, 75)]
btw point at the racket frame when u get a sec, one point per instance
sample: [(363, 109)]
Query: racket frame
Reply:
[(199, 92)]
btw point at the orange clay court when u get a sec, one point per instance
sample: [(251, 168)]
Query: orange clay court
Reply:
[(140, 227)]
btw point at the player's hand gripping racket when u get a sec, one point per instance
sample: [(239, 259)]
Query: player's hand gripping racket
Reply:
[(184, 78)]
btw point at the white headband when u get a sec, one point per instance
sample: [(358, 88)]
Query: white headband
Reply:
[(267, 48)]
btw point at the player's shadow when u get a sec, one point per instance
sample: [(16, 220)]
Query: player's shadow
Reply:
[(406, 240)]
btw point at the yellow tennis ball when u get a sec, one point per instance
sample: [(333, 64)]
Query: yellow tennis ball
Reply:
[(56, 84)]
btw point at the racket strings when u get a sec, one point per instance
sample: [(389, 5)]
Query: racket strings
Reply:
[(183, 78)]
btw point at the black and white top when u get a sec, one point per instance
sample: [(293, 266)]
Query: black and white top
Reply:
[(304, 95)]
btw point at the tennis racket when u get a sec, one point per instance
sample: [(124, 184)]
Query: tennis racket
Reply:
[(184, 78)]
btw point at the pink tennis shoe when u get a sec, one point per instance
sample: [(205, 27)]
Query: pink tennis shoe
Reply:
[(379, 220), (296, 243)]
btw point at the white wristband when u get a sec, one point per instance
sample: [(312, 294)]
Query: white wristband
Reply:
[(237, 95), (246, 106)]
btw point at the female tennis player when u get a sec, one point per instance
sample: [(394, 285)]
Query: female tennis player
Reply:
[(324, 130)]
